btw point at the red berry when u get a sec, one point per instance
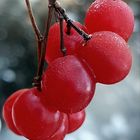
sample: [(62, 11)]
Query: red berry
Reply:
[(62, 131), (7, 110), (110, 15), (53, 46), (108, 55), (68, 84), (75, 120), (32, 118)]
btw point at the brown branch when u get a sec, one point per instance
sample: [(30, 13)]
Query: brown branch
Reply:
[(33, 22), (39, 39), (56, 16), (38, 35), (43, 52), (61, 11), (50, 14), (44, 43), (68, 29), (62, 47)]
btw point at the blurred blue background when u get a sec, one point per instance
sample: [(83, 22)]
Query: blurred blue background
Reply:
[(114, 113)]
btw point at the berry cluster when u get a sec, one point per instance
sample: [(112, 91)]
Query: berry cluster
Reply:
[(76, 62)]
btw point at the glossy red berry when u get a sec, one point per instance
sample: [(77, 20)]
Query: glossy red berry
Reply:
[(108, 55), (62, 131), (110, 15), (68, 84), (7, 110), (53, 46), (32, 118), (75, 120)]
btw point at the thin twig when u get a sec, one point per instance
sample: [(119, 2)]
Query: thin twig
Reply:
[(39, 39), (43, 50), (50, 14), (39, 50), (60, 10), (62, 47), (56, 16), (68, 29), (34, 24)]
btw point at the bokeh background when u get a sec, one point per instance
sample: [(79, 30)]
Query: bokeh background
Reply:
[(114, 113)]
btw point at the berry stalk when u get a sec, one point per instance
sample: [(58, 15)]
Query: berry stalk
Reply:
[(62, 47), (68, 28), (37, 32), (43, 50), (33, 22), (41, 40), (61, 11)]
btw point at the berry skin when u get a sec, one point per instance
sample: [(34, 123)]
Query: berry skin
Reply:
[(53, 46), (62, 131), (32, 118), (68, 84), (7, 110), (108, 55), (110, 15), (75, 120)]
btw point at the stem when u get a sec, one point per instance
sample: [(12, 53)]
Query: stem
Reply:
[(39, 39), (43, 50), (56, 16), (49, 19), (38, 35), (33, 22), (62, 47), (60, 10), (68, 29), (39, 50)]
